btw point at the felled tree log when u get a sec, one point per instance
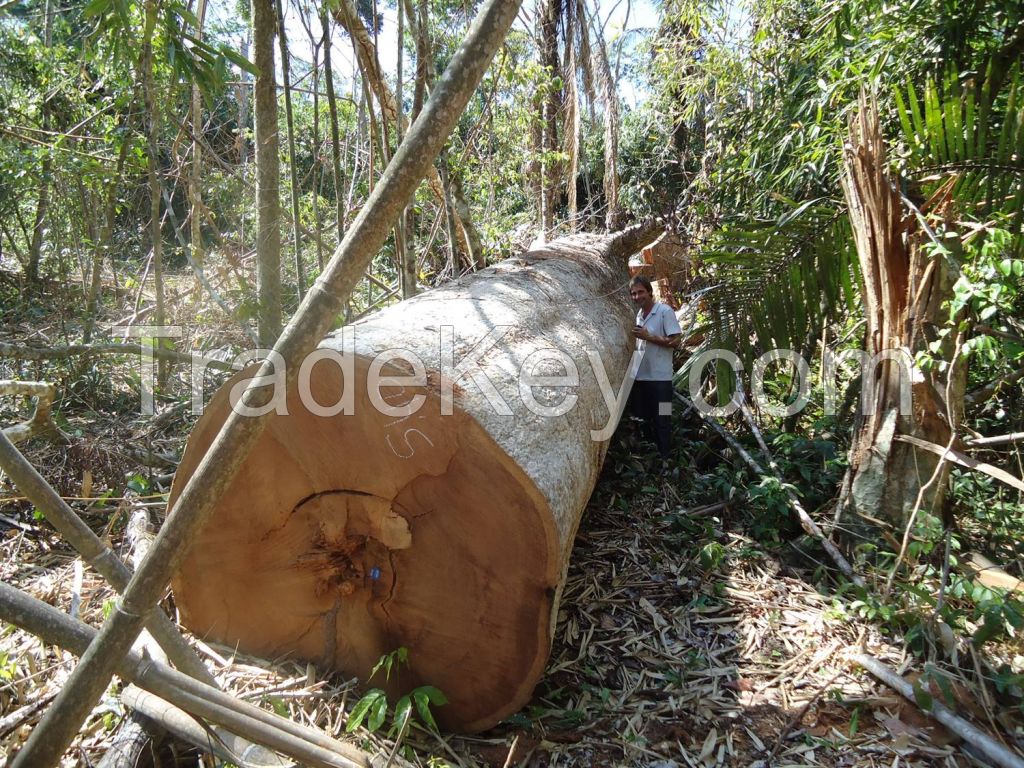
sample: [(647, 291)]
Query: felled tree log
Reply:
[(445, 526)]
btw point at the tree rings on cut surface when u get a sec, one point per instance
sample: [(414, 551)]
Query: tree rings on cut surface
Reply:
[(357, 526)]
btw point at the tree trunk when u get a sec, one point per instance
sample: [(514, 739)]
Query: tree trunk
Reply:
[(345, 538), (473, 245), (450, 220), (403, 230), (332, 106), (268, 176), (102, 245), (241, 145), (904, 290), (195, 194), (550, 166), (318, 229), (35, 250), (282, 36), (153, 170), (609, 95), (571, 131)]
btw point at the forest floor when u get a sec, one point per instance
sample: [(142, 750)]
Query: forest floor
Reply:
[(681, 640), (666, 653)]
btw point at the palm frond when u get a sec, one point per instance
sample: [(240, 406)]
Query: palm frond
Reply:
[(778, 281), (961, 129)]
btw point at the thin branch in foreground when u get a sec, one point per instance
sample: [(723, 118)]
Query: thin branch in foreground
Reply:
[(978, 442), (41, 422), (955, 456), (970, 733)]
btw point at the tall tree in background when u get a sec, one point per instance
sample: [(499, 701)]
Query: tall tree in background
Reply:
[(195, 168), (148, 77), (43, 197), (549, 106), (282, 32), (610, 98), (268, 175)]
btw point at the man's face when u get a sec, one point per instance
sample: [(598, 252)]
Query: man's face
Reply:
[(641, 296)]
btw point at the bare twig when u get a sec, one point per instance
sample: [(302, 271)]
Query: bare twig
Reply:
[(41, 423), (978, 442), (970, 733), (955, 456)]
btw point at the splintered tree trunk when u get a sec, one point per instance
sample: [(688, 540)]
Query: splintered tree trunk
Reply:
[(347, 536), (904, 291)]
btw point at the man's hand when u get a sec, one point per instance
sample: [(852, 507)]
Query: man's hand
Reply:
[(641, 333)]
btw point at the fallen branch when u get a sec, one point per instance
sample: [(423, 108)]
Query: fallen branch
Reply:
[(976, 442), (970, 733), (41, 423), (135, 736), (806, 522), (23, 352), (306, 745), (94, 552), (26, 714), (983, 394), (951, 454), (212, 739)]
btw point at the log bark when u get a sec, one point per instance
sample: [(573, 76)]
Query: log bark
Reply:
[(344, 537)]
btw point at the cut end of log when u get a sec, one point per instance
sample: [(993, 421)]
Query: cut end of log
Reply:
[(346, 537)]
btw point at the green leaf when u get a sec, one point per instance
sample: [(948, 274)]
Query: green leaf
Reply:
[(96, 8), (185, 14), (436, 697), (403, 711), (946, 687), (991, 627), (362, 707), (923, 699), (278, 705), (378, 712), (422, 700), (239, 60)]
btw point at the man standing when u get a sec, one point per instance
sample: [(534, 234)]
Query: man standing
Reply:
[(656, 333)]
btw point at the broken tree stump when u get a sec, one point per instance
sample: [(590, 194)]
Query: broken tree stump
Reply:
[(436, 511)]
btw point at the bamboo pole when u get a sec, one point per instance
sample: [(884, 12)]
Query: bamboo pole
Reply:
[(324, 302), (213, 739), (306, 745), (970, 733), (96, 553)]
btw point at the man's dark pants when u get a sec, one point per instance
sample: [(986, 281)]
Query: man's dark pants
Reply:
[(651, 401)]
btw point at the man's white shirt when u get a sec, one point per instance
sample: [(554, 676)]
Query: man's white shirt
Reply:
[(656, 364)]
